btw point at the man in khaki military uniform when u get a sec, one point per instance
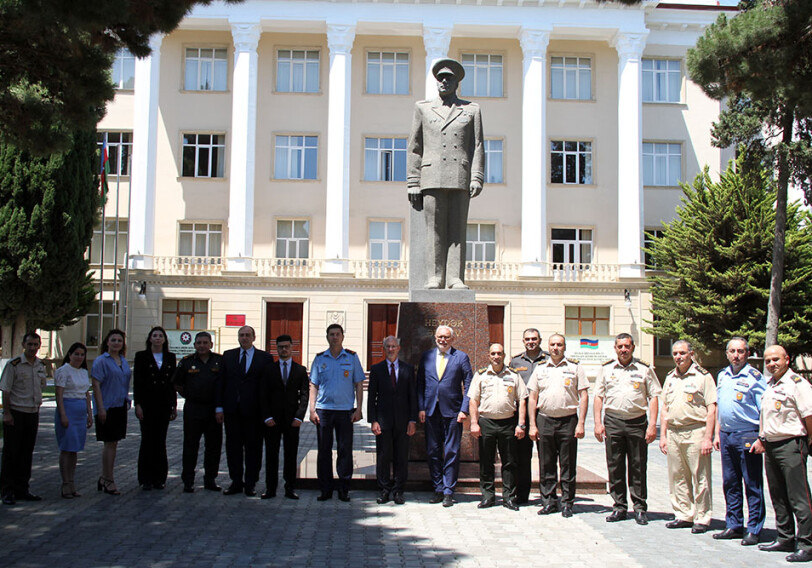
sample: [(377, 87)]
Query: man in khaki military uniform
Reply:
[(687, 425), (626, 387), (22, 383), (495, 394), (557, 406), (785, 427)]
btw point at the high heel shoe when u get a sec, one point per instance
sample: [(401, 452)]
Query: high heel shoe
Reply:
[(104, 485)]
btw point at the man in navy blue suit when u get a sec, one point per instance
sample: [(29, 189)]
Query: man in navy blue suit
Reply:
[(443, 378)]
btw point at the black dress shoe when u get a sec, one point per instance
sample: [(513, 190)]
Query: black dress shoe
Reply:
[(486, 503), (8, 499), (566, 511), (233, 489), (27, 496), (678, 524), (383, 497), (291, 494), (212, 486), (616, 516), (699, 528), (325, 495), (510, 504), (436, 498), (188, 488), (343, 495), (778, 546), (250, 492), (800, 556), (160, 486), (548, 508), (749, 539), (641, 518), (398, 499), (268, 495), (146, 486), (448, 500), (728, 534)]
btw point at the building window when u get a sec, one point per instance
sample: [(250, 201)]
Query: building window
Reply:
[(204, 155), (387, 73), (119, 151), (662, 80), (480, 245), (111, 251), (385, 159), (570, 162), (296, 157), (648, 241), (493, 161), (292, 238), (92, 337), (586, 320), (206, 69), (572, 246), (200, 239), (571, 78), (186, 314), (662, 163), (297, 71), (123, 70), (483, 75), (384, 240)]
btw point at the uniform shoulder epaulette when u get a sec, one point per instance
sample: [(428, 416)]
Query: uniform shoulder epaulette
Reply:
[(702, 370), (573, 361), (320, 353), (607, 362), (646, 363), (482, 370), (350, 351), (797, 378), (511, 369), (518, 355), (16, 361), (755, 373), (189, 356)]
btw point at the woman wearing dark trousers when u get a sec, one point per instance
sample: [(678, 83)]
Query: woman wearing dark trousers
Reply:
[(155, 406)]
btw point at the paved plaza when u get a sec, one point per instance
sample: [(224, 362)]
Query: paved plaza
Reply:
[(172, 528)]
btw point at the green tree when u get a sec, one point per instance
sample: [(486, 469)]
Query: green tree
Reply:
[(47, 211), (761, 61), (55, 58), (714, 259)]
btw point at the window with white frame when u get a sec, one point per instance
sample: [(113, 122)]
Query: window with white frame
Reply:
[(586, 320), (662, 80), (571, 78), (123, 70), (292, 238), (571, 246), (570, 162), (204, 155), (480, 245), (483, 75), (385, 159), (493, 162), (297, 71), (387, 73), (119, 151), (296, 157), (115, 243), (206, 69), (185, 314), (385, 239), (649, 235), (92, 337), (200, 239), (662, 163)]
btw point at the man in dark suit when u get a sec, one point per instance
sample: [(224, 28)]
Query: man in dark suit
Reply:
[(238, 405), (392, 411), (284, 403), (443, 378)]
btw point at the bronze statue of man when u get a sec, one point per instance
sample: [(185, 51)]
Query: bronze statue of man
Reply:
[(445, 168)]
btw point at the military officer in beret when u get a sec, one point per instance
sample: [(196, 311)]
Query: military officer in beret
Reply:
[(687, 424), (625, 389), (497, 395), (557, 405), (525, 363), (785, 429)]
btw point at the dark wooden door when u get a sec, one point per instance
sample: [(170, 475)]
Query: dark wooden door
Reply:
[(284, 318), (382, 321), (496, 324)]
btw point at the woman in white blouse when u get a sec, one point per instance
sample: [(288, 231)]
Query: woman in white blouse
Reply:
[(74, 414)]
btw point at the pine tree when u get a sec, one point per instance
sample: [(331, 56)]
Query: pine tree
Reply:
[(715, 263), (47, 211)]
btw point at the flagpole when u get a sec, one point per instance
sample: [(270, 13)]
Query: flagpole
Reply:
[(103, 184), (115, 243)]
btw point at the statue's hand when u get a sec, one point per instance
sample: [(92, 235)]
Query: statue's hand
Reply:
[(476, 188), (416, 199)]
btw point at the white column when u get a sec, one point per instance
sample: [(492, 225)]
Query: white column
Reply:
[(243, 147), (534, 160), (145, 154), (436, 39), (629, 48), (336, 243)]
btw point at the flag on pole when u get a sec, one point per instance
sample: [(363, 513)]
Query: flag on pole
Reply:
[(104, 170), (589, 343)]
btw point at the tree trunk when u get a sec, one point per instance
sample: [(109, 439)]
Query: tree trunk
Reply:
[(777, 274)]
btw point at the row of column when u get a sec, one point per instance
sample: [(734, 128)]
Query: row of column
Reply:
[(340, 38)]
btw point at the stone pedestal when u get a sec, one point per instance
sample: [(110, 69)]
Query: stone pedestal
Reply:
[(416, 324)]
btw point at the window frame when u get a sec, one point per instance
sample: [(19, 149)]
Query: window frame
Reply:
[(121, 143), (293, 220), (576, 243), (594, 319), (210, 146), (107, 315), (277, 72), (648, 233), (386, 241), (489, 155), (590, 165), (121, 58), (481, 245), (653, 80), (109, 246), (304, 153), (395, 52), (207, 232), (471, 77), (653, 160), (214, 48), (379, 153), (178, 313), (578, 57)]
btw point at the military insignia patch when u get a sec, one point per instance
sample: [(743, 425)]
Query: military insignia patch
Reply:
[(567, 382), (739, 396), (778, 405), (636, 385), (689, 397), (510, 390), (346, 374)]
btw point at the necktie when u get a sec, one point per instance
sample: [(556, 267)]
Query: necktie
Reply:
[(242, 363), (285, 372), (442, 365), (393, 375)]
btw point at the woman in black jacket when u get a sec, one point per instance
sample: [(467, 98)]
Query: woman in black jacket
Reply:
[(155, 405)]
